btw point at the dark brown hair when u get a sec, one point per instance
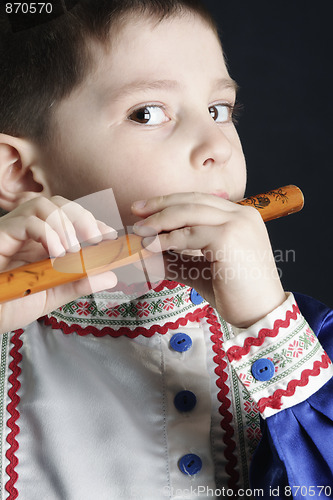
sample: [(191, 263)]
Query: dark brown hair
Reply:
[(42, 65)]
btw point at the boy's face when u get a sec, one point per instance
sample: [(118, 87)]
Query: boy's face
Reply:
[(152, 119)]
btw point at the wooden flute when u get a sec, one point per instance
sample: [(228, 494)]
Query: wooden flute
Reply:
[(126, 249)]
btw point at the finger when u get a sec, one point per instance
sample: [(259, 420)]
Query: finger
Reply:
[(158, 203), (108, 232), (16, 230), (49, 212), (83, 222), (71, 222), (21, 229), (174, 217), (193, 238)]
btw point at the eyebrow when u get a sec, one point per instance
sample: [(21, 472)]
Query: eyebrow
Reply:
[(143, 85), (226, 83)]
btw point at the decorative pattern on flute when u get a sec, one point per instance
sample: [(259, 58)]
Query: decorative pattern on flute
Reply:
[(277, 202), (261, 201)]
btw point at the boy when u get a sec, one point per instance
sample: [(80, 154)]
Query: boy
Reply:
[(160, 399)]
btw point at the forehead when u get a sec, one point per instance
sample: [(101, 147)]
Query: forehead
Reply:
[(171, 49)]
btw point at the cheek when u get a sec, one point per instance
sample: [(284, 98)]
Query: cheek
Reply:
[(141, 167), (239, 165), (241, 179), (242, 174)]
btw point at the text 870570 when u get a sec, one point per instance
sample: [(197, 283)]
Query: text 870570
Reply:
[(28, 8)]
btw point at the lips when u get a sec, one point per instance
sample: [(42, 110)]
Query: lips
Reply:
[(221, 194)]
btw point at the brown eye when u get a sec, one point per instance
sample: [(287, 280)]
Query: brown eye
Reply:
[(149, 115), (213, 112), (141, 115), (221, 113)]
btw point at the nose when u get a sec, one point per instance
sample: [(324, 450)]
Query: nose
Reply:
[(212, 146)]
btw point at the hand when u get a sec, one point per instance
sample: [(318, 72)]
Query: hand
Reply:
[(36, 230), (236, 273)]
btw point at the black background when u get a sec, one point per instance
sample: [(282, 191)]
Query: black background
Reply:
[(280, 53)]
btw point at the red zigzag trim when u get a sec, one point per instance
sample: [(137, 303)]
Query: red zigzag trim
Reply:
[(225, 401), (274, 401), (12, 409), (236, 352), (123, 330)]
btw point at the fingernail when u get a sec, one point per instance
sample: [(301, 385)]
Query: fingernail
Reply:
[(111, 235), (59, 251), (95, 239), (139, 204), (144, 230), (72, 243), (109, 228), (74, 248), (151, 243), (139, 223)]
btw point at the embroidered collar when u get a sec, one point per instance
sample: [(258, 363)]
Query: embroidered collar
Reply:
[(169, 305)]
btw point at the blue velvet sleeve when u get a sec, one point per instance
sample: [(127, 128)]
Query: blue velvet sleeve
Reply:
[(295, 456)]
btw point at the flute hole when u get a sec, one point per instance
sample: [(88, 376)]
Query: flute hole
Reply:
[(27, 292)]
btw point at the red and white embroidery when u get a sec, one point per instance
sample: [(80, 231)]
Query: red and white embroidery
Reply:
[(236, 352), (275, 400), (301, 366), (295, 349), (168, 306), (246, 379), (83, 308), (142, 309)]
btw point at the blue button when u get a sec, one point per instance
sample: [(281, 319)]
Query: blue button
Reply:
[(195, 297), (181, 342), (185, 401), (263, 369), (190, 464)]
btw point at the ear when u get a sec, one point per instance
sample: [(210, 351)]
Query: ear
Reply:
[(22, 176)]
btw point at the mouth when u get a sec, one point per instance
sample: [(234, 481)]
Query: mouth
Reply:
[(221, 194)]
